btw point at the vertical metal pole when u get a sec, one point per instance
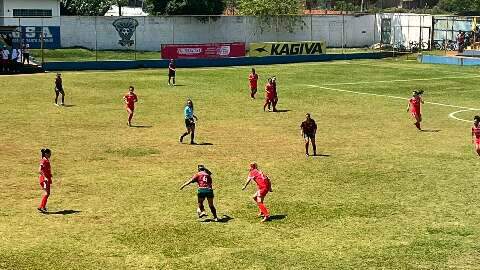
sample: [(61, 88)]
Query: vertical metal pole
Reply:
[(135, 46), (41, 44), (96, 40), (311, 26), (173, 30), (374, 31), (343, 32)]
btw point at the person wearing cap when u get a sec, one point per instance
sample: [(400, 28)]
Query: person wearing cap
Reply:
[(171, 71), (205, 191), (263, 187), (59, 89), (5, 57), (308, 130)]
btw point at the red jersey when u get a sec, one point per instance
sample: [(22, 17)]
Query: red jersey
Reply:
[(253, 78), (476, 132), (130, 99), (260, 179), (45, 170), (274, 87), (203, 179), (270, 94), (415, 105)]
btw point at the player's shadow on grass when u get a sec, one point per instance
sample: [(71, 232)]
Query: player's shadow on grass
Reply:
[(277, 217), (202, 144), (140, 126), (320, 155), (223, 219), (69, 105), (431, 130), (282, 111), (63, 212), (179, 85)]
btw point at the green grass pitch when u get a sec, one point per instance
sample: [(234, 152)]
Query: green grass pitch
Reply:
[(386, 197)]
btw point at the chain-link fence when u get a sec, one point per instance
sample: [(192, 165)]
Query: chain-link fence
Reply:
[(134, 38)]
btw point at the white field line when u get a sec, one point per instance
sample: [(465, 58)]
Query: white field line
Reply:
[(452, 115), (405, 80)]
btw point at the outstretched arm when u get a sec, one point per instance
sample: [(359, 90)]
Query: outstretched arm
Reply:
[(408, 107), (246, 184), (187, 183)]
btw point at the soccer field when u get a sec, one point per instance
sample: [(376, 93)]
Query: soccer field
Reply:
[(384, 196)]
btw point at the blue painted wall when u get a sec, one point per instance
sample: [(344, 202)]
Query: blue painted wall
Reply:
[(449, 60), (221, 62)]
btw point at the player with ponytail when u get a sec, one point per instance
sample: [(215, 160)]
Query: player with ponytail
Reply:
[(263, 187), (45, 178), (414, 107)]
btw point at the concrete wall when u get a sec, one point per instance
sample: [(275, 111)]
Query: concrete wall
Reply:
[(352, 31)]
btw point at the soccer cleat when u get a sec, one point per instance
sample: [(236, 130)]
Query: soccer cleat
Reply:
[(63, 104), (193, 143), (307, 155), (202, 214), (215, 219), (56, 104), (265, 219)]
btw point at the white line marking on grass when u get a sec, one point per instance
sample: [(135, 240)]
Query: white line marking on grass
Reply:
[(452, 115), (405, 80)]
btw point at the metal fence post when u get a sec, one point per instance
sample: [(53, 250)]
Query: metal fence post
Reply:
[(96, 40)]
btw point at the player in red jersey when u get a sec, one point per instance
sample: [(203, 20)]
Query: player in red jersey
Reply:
[(269, 94), (309, 129), (263, 187), (130, 98), (414, 107), (45, 178), (476, 133), (205, 190), (253, 79)]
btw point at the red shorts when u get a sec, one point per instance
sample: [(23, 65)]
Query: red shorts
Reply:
[(477, 141), (416, 115), (131, 108), (44, 184), (253, 87), (262, 192)]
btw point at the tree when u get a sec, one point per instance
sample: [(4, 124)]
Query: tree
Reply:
[(195, 7), (88, 7), (459, 6), (269, 7), (157, 6)]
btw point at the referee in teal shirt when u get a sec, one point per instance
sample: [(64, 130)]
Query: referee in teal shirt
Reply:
[(189, 122)]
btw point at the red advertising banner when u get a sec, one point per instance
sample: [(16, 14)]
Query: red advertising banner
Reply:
[(211, 50)]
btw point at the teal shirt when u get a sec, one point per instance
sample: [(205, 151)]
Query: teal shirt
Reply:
[(188, 112)]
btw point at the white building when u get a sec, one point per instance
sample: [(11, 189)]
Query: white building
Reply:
[(29, 12), (126, 11)]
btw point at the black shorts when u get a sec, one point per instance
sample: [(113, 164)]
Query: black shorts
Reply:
[(309, 136), (205, 193), (171, 74), (189, 123), (59, 90)]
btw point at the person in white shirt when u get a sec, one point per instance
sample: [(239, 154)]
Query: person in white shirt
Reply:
[(26, 53), (5, 55), (13, 63)]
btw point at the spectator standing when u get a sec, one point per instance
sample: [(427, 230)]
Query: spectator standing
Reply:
[(26, 53), (14, 62), (5, 58)]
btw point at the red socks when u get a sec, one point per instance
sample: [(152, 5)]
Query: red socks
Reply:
[(263, 209), (43, 204), (418, 125)]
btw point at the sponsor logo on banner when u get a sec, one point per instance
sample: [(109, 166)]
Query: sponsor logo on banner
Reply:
[(287, 48), (189, 51), (209, 50)]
